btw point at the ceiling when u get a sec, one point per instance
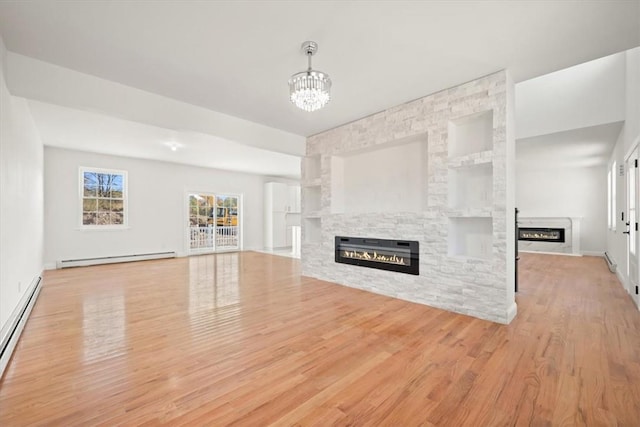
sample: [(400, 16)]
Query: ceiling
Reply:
[(584, 147), (71, 128), (234, 57), (129, 78)]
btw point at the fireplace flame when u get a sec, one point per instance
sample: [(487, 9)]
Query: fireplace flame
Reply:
[(389, 259), (540, 235)]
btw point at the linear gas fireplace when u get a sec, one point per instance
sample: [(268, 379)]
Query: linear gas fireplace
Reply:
[(541, 234), (384, 254)]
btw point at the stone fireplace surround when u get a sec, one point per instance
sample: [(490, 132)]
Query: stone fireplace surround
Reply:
[(571, 227), (437, 170)]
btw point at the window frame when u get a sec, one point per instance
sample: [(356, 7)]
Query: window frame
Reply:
[(609, 218), (613, 196), (125, 198)]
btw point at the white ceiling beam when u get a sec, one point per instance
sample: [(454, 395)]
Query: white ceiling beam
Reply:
[(38, 80)]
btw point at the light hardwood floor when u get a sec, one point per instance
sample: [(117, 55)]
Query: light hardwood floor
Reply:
[(243, 339)]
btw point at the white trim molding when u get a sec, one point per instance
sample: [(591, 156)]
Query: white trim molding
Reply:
[(10, 333)]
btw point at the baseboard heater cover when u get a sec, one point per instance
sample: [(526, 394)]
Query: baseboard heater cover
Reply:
[(612, 266), (10, 333), (83, 262)]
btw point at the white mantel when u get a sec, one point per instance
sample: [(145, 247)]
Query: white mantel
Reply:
[(571, 225)]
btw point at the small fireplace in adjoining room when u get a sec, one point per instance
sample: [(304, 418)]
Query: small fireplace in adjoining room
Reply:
[(384, 254), (533, 234)]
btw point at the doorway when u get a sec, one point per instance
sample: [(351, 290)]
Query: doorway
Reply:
[(213, 222)]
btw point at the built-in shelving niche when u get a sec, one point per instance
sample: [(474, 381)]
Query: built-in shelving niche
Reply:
[(471, 237), (471, 186), (311, 230), (386, 178), (311, 168), (471, 134), (312, 200)]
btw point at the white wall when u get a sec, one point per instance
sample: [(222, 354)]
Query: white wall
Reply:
[(567, 192), (616, 241), (632, 104), (157, 204), (567, 122), (585, 95), (630, 135), (21, 198)]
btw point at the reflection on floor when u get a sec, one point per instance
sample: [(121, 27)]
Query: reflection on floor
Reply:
[(288, 252), (244, 339)]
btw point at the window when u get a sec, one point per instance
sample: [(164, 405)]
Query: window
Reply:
[(612, 197), (104, 197), (632, 207), (609, 200)]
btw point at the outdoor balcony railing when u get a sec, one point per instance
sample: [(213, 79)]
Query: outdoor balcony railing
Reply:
[(211, 237)]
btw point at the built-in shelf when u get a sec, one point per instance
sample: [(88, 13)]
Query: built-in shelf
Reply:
[(471, 134), (311, 199), (314, 214), (471, 186), (311, 230), (311, 168), (471, 237), (474, 159), (483, 212), (311, 183)]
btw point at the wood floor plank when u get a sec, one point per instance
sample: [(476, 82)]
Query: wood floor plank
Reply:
[(243, 339)]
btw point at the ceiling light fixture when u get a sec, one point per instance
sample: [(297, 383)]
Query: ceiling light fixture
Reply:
[(310, 90), (173, 146)]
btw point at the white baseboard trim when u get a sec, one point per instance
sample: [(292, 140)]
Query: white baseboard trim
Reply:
[(613, 267), (593, 253), (83, 262), (550, 253), (50, 266), (10, 333), (511, 313), (623, 281)]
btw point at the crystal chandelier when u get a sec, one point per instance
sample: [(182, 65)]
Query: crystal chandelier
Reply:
[(310, 90)]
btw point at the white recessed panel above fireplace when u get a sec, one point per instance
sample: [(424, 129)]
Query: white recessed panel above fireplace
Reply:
[(389, 178)]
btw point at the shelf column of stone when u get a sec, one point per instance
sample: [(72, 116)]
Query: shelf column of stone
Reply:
[(471, 186), (311, 199)]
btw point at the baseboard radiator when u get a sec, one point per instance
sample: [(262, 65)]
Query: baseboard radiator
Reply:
[(10, 333), (612, 266), (83, 262)]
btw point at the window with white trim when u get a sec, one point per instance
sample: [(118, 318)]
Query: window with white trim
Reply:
[(609, 200), (611, 197), (103, 195)]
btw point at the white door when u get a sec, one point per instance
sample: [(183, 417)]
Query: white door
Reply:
[(632, 222)]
